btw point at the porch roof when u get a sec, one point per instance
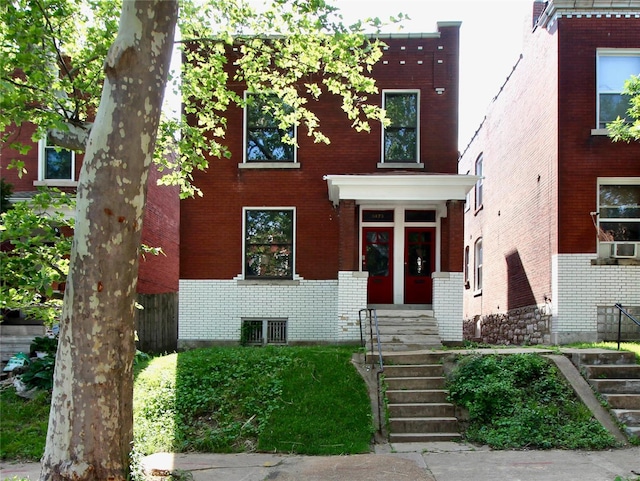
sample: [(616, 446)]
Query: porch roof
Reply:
[(419, 188)]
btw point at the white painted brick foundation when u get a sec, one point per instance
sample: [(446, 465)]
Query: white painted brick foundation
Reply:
[(448, 288), (579, 288), (316, 310)]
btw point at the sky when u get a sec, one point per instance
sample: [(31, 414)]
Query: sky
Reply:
[(491, 37)]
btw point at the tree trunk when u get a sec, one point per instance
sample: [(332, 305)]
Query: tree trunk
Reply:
[(91, 421)]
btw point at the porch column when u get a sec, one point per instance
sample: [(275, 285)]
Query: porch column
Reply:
[(453, 237), (348, 241)]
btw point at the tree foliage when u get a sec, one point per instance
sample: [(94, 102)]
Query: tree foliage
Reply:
[(628, 129), (35, 254)]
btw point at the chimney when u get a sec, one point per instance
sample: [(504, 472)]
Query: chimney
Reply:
[(538, 7)]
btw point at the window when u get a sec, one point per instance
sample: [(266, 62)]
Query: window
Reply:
[(55, 163), (479, 182), (466, 267), (400, 141), (614, 67), (259, 332), (478, 266), (268, 248), (619, 219), (266, 139)]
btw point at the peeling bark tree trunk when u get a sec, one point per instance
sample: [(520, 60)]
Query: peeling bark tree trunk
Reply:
[(91, 421)]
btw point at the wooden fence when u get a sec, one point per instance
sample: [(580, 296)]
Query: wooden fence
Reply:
[(157, 323)]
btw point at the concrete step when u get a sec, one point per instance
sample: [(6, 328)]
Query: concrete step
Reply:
[(584, 356), (623, 401), (400, 346), (616, 386), (423, 437), (406, 396), (413, 357), (423, 425), (396, 383), (414, 370), (612, 371), (417, 410), (628, 417)]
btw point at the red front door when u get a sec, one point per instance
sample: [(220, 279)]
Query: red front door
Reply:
[(419, 262), (377, 259)]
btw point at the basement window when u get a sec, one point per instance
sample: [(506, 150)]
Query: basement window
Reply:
[(262, 332)]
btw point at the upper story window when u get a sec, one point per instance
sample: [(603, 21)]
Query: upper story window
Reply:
[(614, 67), (479, 168), (268, 243), (55, 163), (400, 137), (266, 140), (619, 219)]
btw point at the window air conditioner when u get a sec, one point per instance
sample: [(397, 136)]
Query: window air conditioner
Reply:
[(624, 249)]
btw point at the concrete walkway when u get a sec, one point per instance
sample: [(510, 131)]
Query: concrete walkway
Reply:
[(400, 462)]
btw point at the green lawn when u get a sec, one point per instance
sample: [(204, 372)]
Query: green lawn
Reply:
[(307, 400)]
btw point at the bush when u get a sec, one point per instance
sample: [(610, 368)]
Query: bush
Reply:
[(520, 400)]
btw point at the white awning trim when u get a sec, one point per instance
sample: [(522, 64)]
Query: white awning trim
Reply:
[(417, 188)]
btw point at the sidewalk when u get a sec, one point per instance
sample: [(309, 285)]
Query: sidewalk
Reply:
[(398, 462)]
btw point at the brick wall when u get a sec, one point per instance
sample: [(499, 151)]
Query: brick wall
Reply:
[(447, 308), (581, 288)]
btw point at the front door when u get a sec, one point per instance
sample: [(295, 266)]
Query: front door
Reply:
[(377, 259), (419, 262)]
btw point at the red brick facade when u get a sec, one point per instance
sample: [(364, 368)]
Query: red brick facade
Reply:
[(542, 158)]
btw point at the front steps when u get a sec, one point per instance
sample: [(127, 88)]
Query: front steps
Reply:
[(616, 376), (417, 401), (407, 330)]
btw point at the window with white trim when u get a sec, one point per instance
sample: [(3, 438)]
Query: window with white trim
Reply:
[(267, 139), (55, 163), (614, 67), (401, 137), (478, 200), (619, 217), (477, 264), (466, 267), (269, 243)]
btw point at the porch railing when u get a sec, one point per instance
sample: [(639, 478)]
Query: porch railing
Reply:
[(621, 311), (371, 320)]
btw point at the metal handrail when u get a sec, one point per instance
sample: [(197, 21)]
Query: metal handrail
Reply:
[(372, 316), (621, 311)]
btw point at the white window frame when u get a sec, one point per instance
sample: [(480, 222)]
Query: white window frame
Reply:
[(413, 163), (608, 52), (294, 244), (42, 180), (605, 247), (478, 255), (250, 164), (479, 168)]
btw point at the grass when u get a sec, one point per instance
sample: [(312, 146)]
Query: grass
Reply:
[(307, 400), (521, 401)]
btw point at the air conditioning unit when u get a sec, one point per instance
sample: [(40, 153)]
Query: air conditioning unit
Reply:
[(624, 250)]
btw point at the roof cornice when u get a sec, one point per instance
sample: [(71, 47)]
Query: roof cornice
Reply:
[(556, 9)]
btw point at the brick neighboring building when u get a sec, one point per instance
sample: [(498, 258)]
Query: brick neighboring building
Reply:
[(158, 275), (537, 269), (299, 240)]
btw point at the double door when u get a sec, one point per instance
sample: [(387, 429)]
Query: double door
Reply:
[(418, 254)]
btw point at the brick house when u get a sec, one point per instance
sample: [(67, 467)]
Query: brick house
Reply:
[(158, 275), (552, 231), (295, 242)]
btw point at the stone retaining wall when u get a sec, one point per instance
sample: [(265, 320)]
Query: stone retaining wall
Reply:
[(527, 325)]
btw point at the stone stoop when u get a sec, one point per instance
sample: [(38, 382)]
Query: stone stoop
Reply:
[(616, 376), (17, 338), (417, 401), (407, 330)]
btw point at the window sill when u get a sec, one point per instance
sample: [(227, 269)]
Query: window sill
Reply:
[(55, 183), (268, 282), (269, 165), (478, 209), (400, 165), (477, 293), (600, 132)]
